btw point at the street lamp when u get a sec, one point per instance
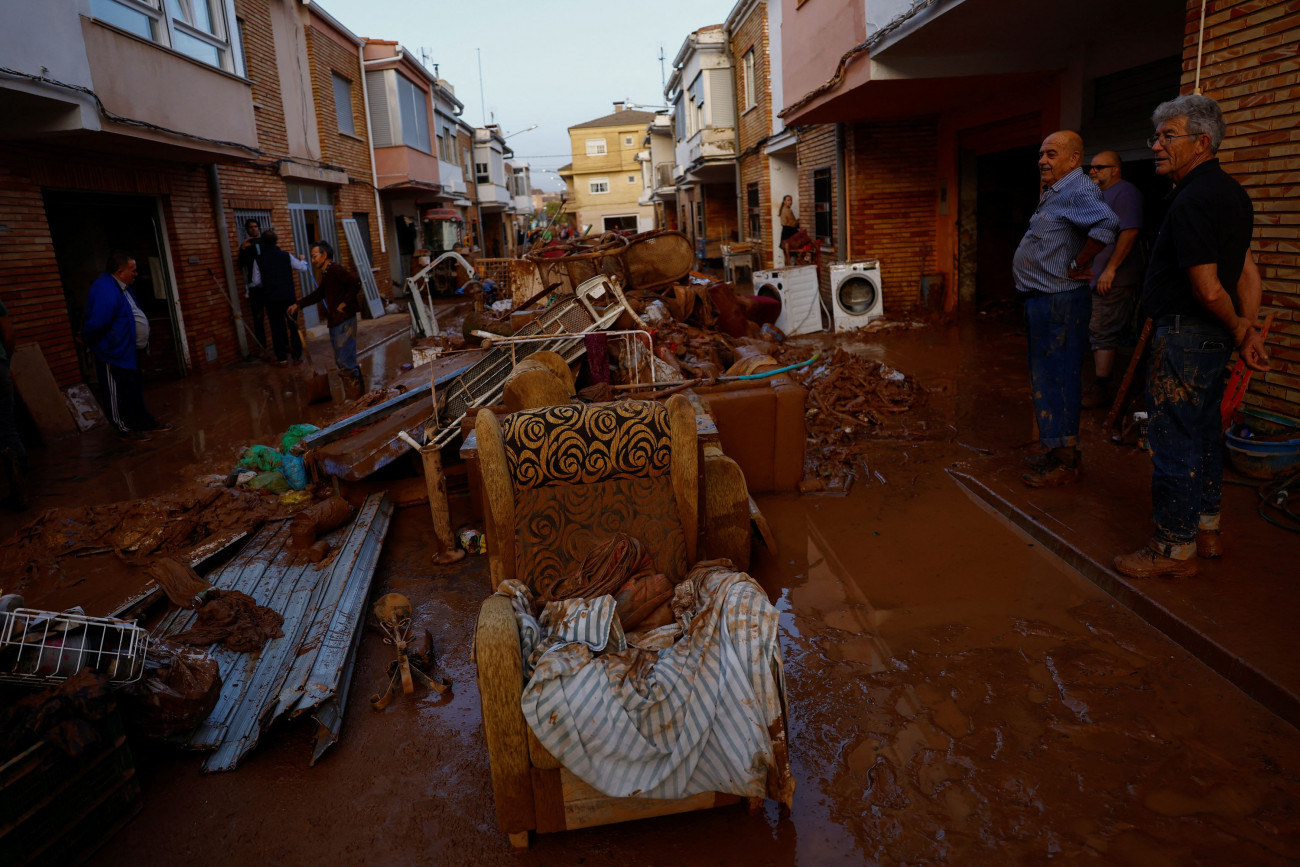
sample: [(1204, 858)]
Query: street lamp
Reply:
[(517, 132)]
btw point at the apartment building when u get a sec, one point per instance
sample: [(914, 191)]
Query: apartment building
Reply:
[(658, 189), (604, 178), (496, 201)]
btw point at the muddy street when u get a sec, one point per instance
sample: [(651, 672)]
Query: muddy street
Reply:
[(956, 692)]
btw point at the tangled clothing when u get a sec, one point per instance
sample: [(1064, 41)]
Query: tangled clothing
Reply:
[(234, 620)]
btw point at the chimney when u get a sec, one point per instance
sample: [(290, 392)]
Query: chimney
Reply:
[(619, 105)]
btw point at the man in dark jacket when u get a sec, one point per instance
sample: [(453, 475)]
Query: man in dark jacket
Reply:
[(248, 253), (341, 292), (115, 330), (275, 268)]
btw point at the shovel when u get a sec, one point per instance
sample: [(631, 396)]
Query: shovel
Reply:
[(317, 381)]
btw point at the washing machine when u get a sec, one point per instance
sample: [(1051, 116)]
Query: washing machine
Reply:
[(856, 297), (796, 289)]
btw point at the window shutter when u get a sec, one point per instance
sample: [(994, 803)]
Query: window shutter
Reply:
[(381, 123)]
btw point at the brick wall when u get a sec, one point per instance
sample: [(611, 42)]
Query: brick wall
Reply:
[(753, 127), (259, 52), (328, 56), (816, 150), (1251, 63), (29, 271), (891, 203)]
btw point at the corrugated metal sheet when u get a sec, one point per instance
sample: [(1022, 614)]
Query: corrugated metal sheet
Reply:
[(309, 668)]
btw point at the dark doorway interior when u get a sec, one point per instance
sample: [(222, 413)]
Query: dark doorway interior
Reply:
[(1007, 193), (85, 228), (620, 224)]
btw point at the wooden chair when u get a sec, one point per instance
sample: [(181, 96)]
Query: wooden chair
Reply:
[(553, 489)]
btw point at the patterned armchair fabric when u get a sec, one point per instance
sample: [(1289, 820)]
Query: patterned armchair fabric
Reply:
[(583, 473)]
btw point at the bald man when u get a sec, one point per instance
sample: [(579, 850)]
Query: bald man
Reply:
[(1116, 274), (1068, 229)]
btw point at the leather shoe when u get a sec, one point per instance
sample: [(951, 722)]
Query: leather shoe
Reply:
[(1209, 544), (1150, 563), (1054, 471)]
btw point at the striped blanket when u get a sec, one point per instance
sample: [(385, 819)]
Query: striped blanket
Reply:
[(694, 706)]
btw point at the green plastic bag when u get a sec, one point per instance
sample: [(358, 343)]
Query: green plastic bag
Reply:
[(272, 482), (263, 459), (294, 435)]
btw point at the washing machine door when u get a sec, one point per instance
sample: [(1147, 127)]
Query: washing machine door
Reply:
[(765, 289), (857, 294)]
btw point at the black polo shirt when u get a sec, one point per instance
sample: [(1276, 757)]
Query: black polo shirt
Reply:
[(1209, 220)]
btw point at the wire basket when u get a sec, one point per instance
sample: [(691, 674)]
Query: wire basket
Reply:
[(39, 647)]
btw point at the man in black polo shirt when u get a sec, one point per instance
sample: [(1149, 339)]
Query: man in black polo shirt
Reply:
[(1203, 292)]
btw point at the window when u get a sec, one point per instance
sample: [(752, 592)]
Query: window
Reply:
[(363, 225), (627, 141), (631, 179), (481, 173), (699, 219), (596, 147), (195, 28), (343, 104), (695, 111), (747, 71), (822, 204), (751, 207), (679, 108), (598, 185), (415, 114)]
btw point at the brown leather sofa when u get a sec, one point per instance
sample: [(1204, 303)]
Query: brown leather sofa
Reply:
[(761, 426)]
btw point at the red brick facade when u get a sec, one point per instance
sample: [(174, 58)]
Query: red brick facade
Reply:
[(753, 126), (1251, 62), (891, 194), (816, 151)]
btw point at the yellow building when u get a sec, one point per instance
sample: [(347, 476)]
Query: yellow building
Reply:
[(604, 178)]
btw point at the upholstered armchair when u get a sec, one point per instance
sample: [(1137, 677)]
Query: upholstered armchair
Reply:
[(557, 481)]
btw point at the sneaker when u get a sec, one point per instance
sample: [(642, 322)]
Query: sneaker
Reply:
[(1209, 544), (1151, 562), (1055, 471), (140, 435), (163, 426)]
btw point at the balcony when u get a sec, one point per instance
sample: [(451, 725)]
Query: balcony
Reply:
[(494, 196)]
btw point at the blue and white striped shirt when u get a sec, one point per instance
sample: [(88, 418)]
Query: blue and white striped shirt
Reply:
[(1069, 212)]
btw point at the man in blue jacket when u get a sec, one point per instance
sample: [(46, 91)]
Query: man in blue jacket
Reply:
[(115, 330)]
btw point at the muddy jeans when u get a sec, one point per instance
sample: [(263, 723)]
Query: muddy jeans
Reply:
[(1184, 392), (343, 337), (1057, 327)]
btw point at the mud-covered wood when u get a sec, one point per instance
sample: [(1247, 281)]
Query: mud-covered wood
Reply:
[(500, 681), (685, 470), (726, 511), (548, 800), (586, 807), (535, 384), (539, 755), (499, 496)]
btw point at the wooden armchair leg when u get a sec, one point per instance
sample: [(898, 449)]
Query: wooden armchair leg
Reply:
[(519, 840)]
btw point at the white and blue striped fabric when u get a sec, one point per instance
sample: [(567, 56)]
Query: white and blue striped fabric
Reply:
[(661, 718)]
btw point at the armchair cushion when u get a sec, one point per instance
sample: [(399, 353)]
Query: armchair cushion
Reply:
[(583, 445)]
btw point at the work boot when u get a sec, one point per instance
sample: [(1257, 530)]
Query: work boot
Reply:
[(1097, 395), (1061, 467), (1209, 541), (1159, 560)]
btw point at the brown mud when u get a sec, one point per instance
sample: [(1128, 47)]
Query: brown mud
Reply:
[(956, 693)]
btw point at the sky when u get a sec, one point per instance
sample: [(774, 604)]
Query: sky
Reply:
[(545, 62)]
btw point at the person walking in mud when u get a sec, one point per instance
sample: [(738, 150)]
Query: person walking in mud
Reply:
[(341, 291), (1051, 268), (116, 330), (1202, 292), (1116, 274)]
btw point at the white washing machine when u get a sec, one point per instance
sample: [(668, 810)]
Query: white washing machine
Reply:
[(856, 296), (796, 289)]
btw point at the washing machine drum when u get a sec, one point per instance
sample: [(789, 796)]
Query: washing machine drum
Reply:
[(768, 290), (857, 295)]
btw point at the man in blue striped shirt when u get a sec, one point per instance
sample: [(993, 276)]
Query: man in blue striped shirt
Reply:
[(1052, 268)]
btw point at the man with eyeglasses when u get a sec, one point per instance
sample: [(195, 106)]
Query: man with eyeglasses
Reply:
[(1203, 292), (1051, 268), (1116, 274)]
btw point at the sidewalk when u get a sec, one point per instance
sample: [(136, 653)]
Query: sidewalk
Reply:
[(1238, 616)]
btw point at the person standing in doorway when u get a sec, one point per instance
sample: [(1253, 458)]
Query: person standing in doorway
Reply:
[(13, 454), (116, 330), (1068, 228), (274, 268), (253, 290), (1202, 292), (789, 220), (341, 291), (1116, 274)]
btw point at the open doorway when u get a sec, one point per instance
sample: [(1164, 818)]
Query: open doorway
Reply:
[(1006, 195), (85, 228)]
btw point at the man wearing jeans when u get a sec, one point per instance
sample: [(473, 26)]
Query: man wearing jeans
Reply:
[(340, 291), (1051, 268), (1203, 292)]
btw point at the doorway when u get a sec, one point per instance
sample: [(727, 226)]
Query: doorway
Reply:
[(311, 210), (1006, 195), (85, 228)]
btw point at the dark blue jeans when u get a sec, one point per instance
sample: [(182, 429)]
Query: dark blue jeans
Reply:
[(1057, 328), (1184, 392)]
